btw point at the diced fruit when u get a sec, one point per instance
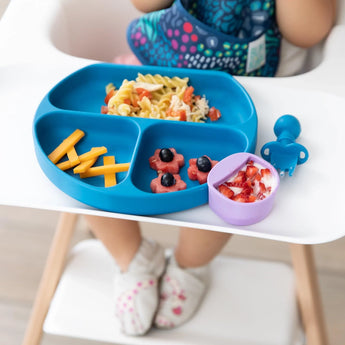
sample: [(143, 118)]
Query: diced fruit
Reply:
[(194, 173), (173, 166), (251, 171), (265, 172), (157, 186), (248, 184), (226, 191)]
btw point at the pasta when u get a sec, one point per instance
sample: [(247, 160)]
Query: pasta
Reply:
[(157, 97)]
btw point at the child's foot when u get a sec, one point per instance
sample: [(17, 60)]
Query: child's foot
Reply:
[(136, 291), (181, 293)]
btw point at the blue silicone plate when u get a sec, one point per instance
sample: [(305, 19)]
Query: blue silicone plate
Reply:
[(75, 103)]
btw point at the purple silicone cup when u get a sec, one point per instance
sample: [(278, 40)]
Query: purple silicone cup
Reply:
[(234, 212)]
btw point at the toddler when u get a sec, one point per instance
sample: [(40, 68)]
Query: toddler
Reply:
[(242, 38)]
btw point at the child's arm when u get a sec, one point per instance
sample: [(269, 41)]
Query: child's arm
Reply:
[(151, 5), (305, 22)]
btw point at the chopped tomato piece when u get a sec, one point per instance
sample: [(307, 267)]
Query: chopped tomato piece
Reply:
[(188, 94), (104, 109), (180, 114), (143, 93), (214, 114), (127, 101), (110, 94), (135, 101)]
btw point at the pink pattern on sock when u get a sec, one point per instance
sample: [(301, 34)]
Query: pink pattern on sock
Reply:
[(126, 302)]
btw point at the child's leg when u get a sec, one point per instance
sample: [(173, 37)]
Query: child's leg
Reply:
[(139, 264), (185, 281), (198, 247), (121, 237)]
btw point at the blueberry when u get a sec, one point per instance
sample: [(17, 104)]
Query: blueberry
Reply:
[(168, 180), (166, 155), (203, 164)]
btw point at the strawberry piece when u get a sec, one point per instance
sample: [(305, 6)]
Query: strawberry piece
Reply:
[(262, 187), (239, 179), (251, 171), (251, 198), (247, 191), (261, 196), (239, 198), (265, 172), (226, 191)]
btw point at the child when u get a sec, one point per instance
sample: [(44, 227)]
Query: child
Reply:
[(147, 289)]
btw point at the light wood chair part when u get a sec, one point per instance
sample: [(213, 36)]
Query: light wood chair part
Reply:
[(308, 294)]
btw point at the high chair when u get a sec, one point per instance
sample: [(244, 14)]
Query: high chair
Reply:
[(250, 302)]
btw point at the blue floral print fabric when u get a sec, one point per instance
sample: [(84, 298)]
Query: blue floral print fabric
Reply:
[(240, 37)]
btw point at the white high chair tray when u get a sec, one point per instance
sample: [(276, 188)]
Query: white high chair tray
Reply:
[(309, 207)]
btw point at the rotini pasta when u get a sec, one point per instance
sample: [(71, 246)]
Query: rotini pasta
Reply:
[(157, 97)]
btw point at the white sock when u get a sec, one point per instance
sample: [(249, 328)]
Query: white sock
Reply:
[(136, 291), (181, 293)]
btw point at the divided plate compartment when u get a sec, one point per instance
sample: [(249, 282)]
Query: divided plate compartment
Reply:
[(75, 103)]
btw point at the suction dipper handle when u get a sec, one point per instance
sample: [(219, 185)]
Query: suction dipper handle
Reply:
[(287, 129), (284, 153)]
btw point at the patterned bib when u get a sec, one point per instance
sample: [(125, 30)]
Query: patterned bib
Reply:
[(239, 37)]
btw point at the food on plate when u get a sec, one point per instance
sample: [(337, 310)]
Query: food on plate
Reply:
[(66, 145), (105, 169), (199, 168), (83, 164), (84, 160), (252, 183), (110, 178), (167, 182), (158, 97), (166, 160)]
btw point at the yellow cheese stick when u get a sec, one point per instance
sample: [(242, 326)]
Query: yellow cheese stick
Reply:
[(82, 167), (66, 144), (109, 179), (105, 169), (65, 165), (88, 157), (73, 156), (93, 153)]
